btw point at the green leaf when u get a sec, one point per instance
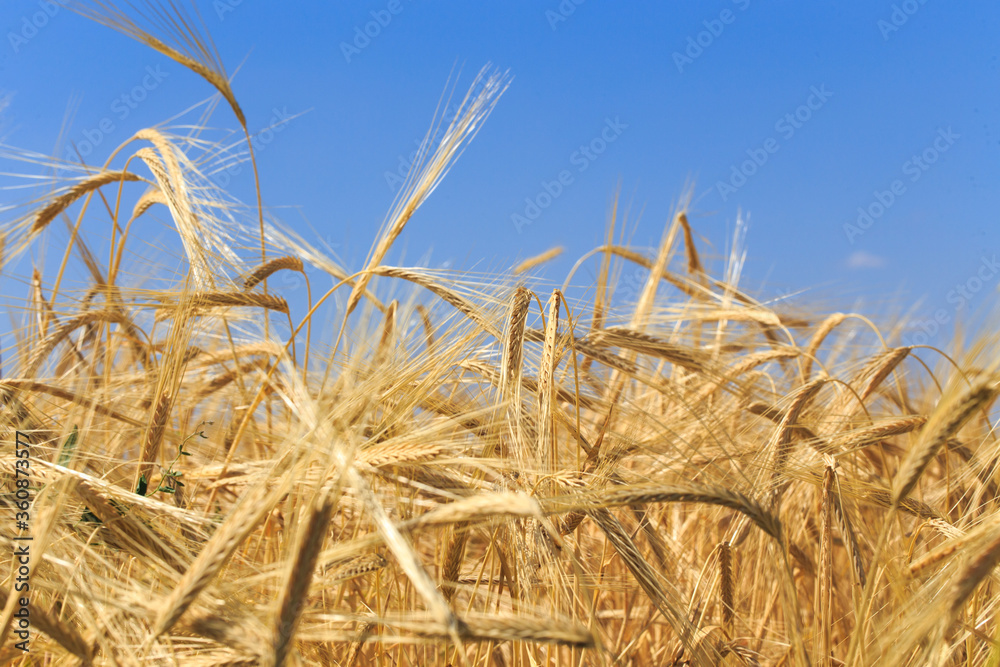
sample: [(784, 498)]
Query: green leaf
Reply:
[(66, 452), (141, 488)]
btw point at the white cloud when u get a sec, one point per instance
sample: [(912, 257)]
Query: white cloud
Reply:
[(862, 259)]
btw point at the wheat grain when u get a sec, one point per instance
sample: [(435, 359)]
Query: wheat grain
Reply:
[(399, 453), (65, 329), (512, 345), (545, 450), (646, 344), (265, 271), (364, 630), (357, 567), (951, 417), (822, 331), (293, 595), (537, 260), (825, 599), (664, 493), (873, 374), (148, 198), (216, 552), (726, 587), (454, 555), (60, 203), (154, 436), (977, 569), (194, 51), (65, 635), (424, 177)]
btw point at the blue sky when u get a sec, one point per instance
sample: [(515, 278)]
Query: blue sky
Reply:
[(802, 116)]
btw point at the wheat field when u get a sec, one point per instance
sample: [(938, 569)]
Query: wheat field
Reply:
[(471, 469)]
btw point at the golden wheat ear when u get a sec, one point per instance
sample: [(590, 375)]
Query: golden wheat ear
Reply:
[(427, 172), (185, 39)]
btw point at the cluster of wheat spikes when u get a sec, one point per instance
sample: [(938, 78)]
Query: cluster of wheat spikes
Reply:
[(474, 473)]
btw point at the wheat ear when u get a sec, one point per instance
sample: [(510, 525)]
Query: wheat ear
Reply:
[(822, 331), (510, 369), (726, 587), (66, 328), (977, 570), (946, 425), (294, 594), (546, 452), (426, 176), (532, 262), (60, 203), (255, 505), (264, 271)]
